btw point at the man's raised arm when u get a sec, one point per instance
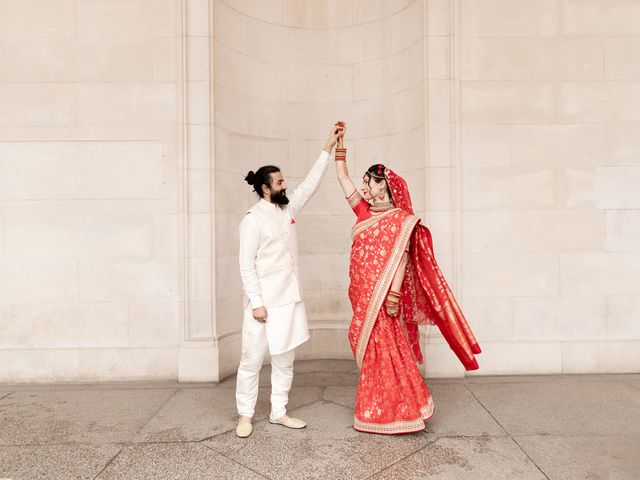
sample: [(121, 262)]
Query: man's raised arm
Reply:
[(309, 185)]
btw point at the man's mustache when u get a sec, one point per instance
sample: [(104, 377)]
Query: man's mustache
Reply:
[(280, 197)]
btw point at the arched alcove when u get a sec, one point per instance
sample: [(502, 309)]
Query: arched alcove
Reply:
[(282, 75)]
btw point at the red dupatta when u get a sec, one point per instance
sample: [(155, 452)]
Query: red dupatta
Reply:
[(426, 296)]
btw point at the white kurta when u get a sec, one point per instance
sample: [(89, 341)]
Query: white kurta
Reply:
[(269, 265)]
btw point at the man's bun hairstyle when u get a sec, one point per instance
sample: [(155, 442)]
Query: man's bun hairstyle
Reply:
[(250, 178), (260, 178)]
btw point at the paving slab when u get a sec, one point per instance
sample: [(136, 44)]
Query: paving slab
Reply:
[(41, 387), (573, 427), (634, 382), (334, 366), (323, 379), (305, 376), (173, 461), (342, 395), (197, 414), (328, 448), (78, 416), (55, 461), (596, 377), (592, 457), (562, 408), (510, 379), (497, 458), (457, 412)]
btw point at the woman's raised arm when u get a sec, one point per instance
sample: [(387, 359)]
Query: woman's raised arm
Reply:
[(341, 164)]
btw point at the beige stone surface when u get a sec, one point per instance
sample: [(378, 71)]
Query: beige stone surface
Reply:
[(507, 18), (599, 273), (502, 101), (529, 59), (596, 18), (595, 102), (511, 274), (561, 145), (126, 128), (486, 145), (488, 427), (508, 188), (37, 19), (623, 231)]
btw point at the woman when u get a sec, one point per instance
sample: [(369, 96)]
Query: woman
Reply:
[(395, 286)]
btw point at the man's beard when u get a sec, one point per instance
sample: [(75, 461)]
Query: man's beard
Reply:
[(279, 198)]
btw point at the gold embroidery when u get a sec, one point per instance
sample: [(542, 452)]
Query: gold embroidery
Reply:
[(363, 225), (427, 410), (383, 285), (400, 426), (354, 199)]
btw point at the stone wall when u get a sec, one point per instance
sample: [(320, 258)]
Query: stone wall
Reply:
[(126, 128), (89, 194), (548, 104)]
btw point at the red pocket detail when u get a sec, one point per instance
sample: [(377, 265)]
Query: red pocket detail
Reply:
[(292, 221)]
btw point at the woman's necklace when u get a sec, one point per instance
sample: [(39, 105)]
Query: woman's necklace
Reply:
[(381, 206)]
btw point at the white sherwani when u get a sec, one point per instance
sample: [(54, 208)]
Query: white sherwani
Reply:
[(270, 276)]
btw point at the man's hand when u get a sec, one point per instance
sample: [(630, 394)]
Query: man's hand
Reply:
[(260, 314), (335, 132)]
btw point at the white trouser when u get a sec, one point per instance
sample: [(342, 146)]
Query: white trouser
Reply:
[(254, 348)]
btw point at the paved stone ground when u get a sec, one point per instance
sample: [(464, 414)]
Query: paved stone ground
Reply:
[(529, 427)]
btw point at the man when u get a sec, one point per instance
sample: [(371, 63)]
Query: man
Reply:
[(274, 319)]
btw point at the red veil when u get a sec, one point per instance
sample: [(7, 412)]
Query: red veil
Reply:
[(426, 296)]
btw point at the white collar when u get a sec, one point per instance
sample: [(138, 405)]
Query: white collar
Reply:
[(268, 205)]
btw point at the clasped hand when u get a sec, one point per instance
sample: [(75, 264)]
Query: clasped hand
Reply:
[(260, 314)]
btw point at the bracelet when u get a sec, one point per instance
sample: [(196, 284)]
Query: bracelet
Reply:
[(392, 300)]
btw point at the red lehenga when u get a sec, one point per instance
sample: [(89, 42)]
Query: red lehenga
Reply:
[(392, 397)]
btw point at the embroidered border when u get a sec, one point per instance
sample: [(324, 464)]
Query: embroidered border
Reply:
[(363, 225), (394, 427), (401, 426), (354, 199), (428, 409), (380, 290)]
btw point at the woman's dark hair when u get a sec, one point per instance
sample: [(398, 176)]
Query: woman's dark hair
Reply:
[(377, 173), (261, 177)]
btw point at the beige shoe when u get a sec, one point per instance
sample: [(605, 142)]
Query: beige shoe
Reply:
[(243, 430), (290, 422)]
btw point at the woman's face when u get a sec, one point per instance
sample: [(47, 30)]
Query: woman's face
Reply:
[(372, 189)]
